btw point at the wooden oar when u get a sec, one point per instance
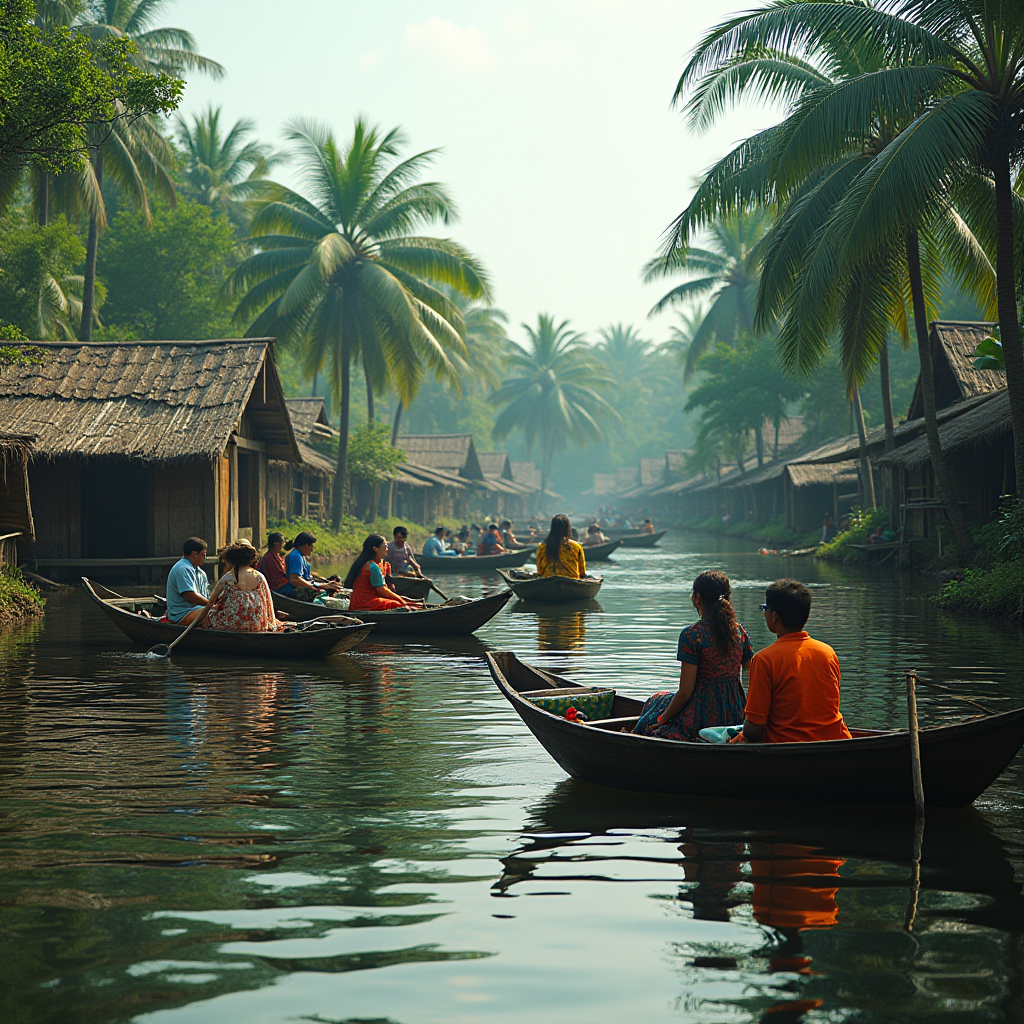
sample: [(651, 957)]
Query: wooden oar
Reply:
[(164, 650), (440, 593)]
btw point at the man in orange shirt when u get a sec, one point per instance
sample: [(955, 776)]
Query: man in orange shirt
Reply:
[(793, 693)]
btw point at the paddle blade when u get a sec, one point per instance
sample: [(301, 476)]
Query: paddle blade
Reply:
[(160, 651)]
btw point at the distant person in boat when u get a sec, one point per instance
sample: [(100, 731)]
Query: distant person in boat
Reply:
[(508, 538), (301, 586), (594, 536), (188, 586), (435, 546), (647, 527), (490, 542), (559, 554), (272, 563), (401, 556), (241, 601), (712, 652), (368, 580), (828, 529), (877, 536), (793, 691), (461, 543)]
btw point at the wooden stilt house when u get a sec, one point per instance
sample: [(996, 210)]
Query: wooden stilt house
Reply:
[(141, 445)]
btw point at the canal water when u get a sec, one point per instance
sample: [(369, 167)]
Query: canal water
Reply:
[(378, 838)]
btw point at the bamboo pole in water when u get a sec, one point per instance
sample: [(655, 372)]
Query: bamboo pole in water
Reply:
[(915, 742)]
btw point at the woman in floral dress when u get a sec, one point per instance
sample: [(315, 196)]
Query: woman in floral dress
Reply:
[(713, 651), (241, 601)]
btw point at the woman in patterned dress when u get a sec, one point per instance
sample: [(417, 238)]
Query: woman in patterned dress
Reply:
[(713, 651), (241, 601)]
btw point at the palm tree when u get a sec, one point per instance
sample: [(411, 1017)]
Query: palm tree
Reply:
[(623, 351), (343, 273), (135, 154), (551, 392), (726, 274), (224, 169)]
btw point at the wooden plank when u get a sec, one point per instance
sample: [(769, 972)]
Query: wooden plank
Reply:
[(93, 563), (249, 445)]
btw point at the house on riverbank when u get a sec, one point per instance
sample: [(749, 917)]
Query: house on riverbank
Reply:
[(509, 497), (304, 488), (17, 530), (139, 445), (440, 478)]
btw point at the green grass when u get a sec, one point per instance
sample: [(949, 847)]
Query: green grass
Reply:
[(334, 548), (862, 523), (17, 599), (995, 591)]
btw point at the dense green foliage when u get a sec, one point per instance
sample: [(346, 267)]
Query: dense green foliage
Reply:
[(862, 523), (336, 547), (17, 599)]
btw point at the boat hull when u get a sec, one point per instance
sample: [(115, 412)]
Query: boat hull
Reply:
[(302, 646), (414, 587), (551, 589), (642, 540), (434, 620), (599, 552), (475, 563), (959, 762)]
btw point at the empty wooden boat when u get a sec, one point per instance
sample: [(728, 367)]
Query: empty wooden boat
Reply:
[(599, 552), (296, 645), (642, 540), (959, 762), (474, 563), (438, 619), (528, 586)]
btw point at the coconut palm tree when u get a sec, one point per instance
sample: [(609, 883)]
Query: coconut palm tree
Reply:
[(623, 350), (551, 392), (223, 168), (725, 271), (341, 271)]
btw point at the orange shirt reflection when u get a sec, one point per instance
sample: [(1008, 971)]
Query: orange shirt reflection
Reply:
[(782, 898)]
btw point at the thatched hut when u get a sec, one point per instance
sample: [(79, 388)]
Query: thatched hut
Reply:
[(17, 531), (956, 380), (140, 445), (303, 488), (509, 497), (438, 478)]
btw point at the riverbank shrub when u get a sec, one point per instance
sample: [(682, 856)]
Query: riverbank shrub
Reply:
[(774, 532), (334, 548), (862, 522), (18, 600)]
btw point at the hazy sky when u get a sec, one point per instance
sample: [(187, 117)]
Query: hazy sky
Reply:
[(560, 142)]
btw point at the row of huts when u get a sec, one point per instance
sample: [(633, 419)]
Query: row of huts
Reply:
[(802, 484), (111, 454)]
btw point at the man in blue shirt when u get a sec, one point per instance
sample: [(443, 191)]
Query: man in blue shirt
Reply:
[(490, 542), (301, 585), (435, 545), (188, 587)]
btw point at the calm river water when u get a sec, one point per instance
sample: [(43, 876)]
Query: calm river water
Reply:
[(379, 839)]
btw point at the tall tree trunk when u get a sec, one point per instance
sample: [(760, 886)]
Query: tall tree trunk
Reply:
[(44, 199), (887, 418), (91, 248), (371, 413), (775, 446), (341, 477), (867, 479), (395, 423), (1009, 325), (759, 444), (316, 378), (940, 468)]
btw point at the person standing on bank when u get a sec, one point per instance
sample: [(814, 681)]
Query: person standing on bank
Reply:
[(713, 652), (188, 586)]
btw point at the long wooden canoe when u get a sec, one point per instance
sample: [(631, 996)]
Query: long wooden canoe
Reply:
[(437, 619), (642, 540), (599, 552), (959, 762), (550, 588), (475, 563), (145, 631)]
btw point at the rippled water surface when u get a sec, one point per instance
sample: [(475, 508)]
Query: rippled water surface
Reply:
[(378, 838)]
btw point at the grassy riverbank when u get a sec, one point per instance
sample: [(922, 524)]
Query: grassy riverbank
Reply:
[(774, 532), (17, 599), (337, 548)]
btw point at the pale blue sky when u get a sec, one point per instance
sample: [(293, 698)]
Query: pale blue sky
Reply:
[(560, 143)]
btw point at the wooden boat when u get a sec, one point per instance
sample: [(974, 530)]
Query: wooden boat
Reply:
[(415, 587), (437, 619), (959, 762), (642, 540), (550, 588), (145, 631), (620, 531), (475, 563), (599, 552)]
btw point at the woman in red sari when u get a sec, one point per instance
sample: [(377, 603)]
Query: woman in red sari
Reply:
[(367, 580)]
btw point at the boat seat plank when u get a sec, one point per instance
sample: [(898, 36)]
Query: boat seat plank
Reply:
[(613, 723)]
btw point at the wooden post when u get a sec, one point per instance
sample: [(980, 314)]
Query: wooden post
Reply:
[(915, 744)]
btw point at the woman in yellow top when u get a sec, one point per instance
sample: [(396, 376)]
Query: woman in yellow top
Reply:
[(559, 555)]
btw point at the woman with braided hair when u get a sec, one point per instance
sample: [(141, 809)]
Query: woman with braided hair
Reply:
[(713, 651)]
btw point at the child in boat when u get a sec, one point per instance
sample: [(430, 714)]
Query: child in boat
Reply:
[(713, 652), (368, 580), (793, 692)]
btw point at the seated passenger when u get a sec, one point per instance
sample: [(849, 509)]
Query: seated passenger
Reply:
[(490, 542), (559, 554), (435, 547), (712, 652), (300, 585), (647, 527), (272, 563), (401, 556), (793, 690), (241, 601), (594, 536), (508, 538), (368, 580), (188, 586)]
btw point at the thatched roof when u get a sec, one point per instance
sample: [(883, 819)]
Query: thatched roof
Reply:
[(803, 475), (495, 465), (453, 453), (309, 417), (652, 472), (14, 443), (413, 474), (952, 344), (526, 473), (156, 401), (981, 423)]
